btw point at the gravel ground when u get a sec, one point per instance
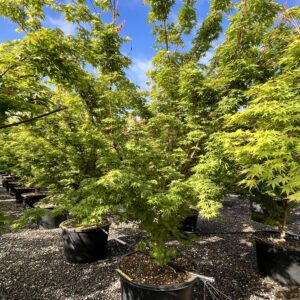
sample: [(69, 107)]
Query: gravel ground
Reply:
[(32, 264)]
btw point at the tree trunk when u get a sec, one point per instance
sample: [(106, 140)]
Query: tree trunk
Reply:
[(283, 225)]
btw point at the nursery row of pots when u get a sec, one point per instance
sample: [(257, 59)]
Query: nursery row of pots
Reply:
[(30, 198), (81, 245), (88, 244), (275, 258)]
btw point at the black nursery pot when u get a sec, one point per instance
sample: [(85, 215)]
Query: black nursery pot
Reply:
[(21, 190), (84, 245), (12, 185), (189, 224), (31, 198), (6, 180), (131, 290), (51, 222), (280, 263)]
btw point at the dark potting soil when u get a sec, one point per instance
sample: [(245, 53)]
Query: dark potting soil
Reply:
[(145, 270), (274, 238), (183, 263), (70, 224)]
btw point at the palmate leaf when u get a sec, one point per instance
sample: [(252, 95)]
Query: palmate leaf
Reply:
[(254, 171), (295, 197), (249, 183)]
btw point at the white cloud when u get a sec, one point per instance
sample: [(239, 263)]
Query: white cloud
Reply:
[(137, 71), (63, 24)]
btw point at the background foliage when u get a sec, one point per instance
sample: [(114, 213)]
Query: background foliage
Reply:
[(200, 133)]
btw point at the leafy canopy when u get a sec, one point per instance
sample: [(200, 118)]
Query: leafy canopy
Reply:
[(231, 126)]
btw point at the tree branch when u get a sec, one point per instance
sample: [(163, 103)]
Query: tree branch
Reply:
[(12, 67), (8, 69), (34, 118)]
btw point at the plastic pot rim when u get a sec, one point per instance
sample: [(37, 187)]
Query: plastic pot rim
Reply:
[(93, 227), (173, 287), (45, 205), (258, 239), (33, 195), (23, 188)]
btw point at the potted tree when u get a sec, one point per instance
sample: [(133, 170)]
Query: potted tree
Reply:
[(69, 152), (254, 77), (49, 220), (82, 156), (156, 184), (264, 141), (74, 143)]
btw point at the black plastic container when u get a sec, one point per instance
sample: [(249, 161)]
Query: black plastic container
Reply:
[(21, 190), (31, 198), (49, 221), (12, 185), (189, 224), (131, 290), (280, 263), (6, 180), (84, 245)]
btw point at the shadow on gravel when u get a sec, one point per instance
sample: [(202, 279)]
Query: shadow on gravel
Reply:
[(38, 269), (231, 260), (118, 249), (236, 217)]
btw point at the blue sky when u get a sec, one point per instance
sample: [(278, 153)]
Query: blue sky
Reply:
[(140, 47)]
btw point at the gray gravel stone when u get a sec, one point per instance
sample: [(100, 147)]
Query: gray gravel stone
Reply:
[(32, 264)]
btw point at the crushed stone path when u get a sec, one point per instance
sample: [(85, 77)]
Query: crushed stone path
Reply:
[(32, 264)]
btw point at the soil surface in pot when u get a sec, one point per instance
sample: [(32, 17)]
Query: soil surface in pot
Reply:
[(274, 238), (145, 270), (70, 224), (34, 194), (45, 205)]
